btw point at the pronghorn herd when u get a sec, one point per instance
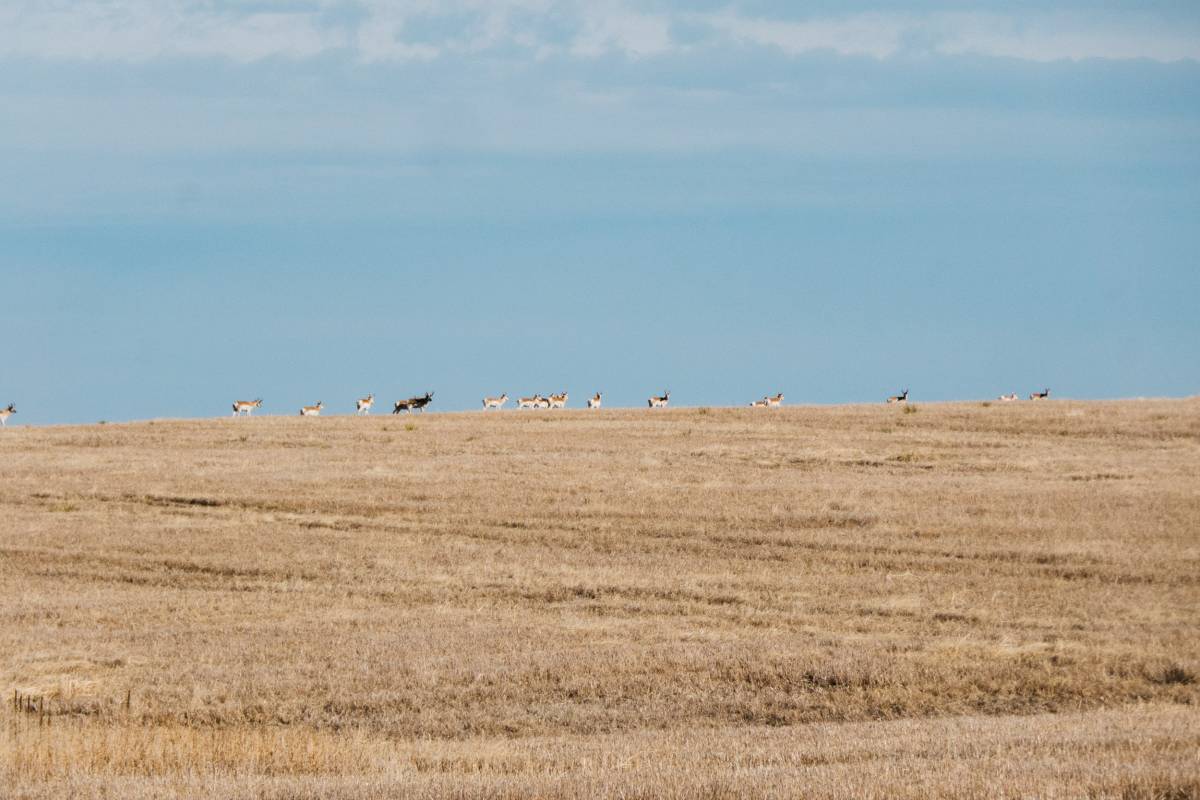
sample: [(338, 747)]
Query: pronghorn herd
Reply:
[(363, 405)]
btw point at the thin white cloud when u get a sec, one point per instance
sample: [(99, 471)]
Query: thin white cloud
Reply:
[(1031, 37), (1074, 37), (383, 30), (877, 35), (607, 30)]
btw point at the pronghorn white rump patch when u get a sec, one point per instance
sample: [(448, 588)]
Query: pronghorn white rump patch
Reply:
[(245, 407)]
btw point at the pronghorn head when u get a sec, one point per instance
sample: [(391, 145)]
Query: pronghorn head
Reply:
[(12, 408), (370, 398), (258, 402)]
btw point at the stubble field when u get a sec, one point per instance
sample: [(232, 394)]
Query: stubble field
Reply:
[(965, 600)]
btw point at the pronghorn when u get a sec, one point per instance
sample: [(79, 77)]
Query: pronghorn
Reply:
[(529, 402), (594, 402), (776, 401), (1042, 395), (660, 402), (558, 400), (759, 403), (365, 403), (899, 398), (418, 403), (245, 407), (495, 402), (6, 413), (1008, 398), (312, 411)]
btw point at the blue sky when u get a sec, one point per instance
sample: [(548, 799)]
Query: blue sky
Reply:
[(202, 201)]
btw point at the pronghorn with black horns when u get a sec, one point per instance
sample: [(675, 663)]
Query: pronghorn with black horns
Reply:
[(6, 413), (594, 402), (774, 402), (312, 411), (558, 400), (660, 402), (495, 402), (418, 403), (899, 398), (1042, 395), (364, 405), (529, 402), (246, 407), (1008, 398)]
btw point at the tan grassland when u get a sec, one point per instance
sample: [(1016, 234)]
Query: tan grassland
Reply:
[(963, 600)]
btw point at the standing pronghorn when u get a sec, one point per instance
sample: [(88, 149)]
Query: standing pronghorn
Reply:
[(776, 401), (246, 407), (364, 404), (1042, 395), (495, 402), (1008, 398), (660, 402), (558, 400), (899, 398), (312, 411), (594, 402), (529, 402), (6, 413)]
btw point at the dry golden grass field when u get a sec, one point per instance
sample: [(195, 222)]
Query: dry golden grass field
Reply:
[(964, 600)]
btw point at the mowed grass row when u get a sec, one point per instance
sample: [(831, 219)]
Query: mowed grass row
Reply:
[(597, 578)]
